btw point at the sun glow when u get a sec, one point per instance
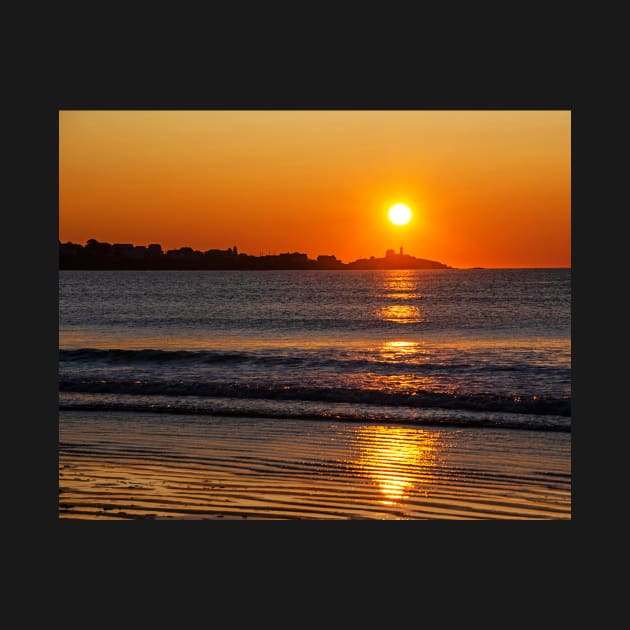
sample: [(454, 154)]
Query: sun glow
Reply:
[(399, 214)]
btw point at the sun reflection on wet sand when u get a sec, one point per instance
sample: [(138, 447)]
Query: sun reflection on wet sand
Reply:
[(397, 459), (119, 465)]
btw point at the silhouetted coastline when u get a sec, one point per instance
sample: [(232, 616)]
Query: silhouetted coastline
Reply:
[(106, 256)]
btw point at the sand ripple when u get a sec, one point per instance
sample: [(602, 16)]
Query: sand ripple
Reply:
[(128, 466)]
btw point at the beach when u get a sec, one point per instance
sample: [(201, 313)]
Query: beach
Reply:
[(315, 315), (405, 394), (129, 465)]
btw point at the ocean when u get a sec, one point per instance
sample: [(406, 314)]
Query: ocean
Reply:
[(463, 347), (404, 357)]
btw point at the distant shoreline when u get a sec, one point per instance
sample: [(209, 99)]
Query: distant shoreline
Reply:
[(125, 256)]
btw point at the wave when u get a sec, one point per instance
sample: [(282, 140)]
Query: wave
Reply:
[(291, 359), (150, 356), (381, 416), (416, 399)]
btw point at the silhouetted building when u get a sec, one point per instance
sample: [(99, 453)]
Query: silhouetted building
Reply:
[(70, 249), (94, 248), (123, 250), (295, 257), (96, 255), (328, 262), (219, 252)]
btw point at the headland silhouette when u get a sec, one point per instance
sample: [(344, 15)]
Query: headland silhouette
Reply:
[(106, 256)]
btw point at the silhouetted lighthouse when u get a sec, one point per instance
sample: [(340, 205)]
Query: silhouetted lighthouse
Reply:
[(401, 250)]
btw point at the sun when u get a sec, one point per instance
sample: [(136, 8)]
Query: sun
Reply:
[(399, 214)]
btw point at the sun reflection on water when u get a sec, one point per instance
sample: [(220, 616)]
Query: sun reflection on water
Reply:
[(400, 314), (400, 349), (397, 459), (404, 295), (402, 286)]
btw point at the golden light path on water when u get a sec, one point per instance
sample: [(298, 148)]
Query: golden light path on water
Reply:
[(400, 286), (398, 349), (400, 314)]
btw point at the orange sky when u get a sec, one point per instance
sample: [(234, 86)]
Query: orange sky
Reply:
[(487, 188)]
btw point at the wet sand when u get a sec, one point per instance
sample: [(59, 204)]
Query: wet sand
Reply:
[(121, 465)]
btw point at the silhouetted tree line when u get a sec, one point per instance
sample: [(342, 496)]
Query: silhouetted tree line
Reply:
[(97, 255)]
